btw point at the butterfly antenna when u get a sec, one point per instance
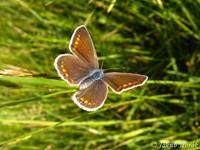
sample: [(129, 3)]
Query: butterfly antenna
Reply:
[(112, 69), (102, 64)]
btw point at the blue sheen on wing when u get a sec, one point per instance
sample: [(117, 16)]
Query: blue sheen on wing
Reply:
[(94, 75)]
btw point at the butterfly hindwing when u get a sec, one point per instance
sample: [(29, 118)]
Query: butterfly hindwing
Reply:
[(120, 82), (93, 97)]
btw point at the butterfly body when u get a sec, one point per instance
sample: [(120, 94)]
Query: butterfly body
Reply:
[(96, 74), (81, 68)]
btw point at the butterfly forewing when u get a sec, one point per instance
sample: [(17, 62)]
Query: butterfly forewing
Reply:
[(120, 82), (71, 68), (81, 45), (93, 97)]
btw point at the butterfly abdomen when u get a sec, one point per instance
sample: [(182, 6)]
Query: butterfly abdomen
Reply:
[(86, 83)]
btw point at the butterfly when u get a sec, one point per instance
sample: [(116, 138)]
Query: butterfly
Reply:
[(82, 68)]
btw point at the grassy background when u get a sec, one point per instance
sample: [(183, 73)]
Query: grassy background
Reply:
[(154, 37)]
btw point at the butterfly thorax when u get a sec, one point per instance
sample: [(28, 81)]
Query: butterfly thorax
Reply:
[(96, 74)]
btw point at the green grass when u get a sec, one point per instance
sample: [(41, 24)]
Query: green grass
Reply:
[(157, 38)]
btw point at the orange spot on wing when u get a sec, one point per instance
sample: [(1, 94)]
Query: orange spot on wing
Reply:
[(71, 80), (125, 85), (86, 101), (66, 74), (130, 83), (76, 43), (64, 70)]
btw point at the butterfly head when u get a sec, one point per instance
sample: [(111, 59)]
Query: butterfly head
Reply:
[(97, 74)]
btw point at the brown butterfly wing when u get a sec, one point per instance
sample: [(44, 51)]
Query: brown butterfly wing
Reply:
[(71, 68), (82, 46), (93, 97), (120, 82)]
